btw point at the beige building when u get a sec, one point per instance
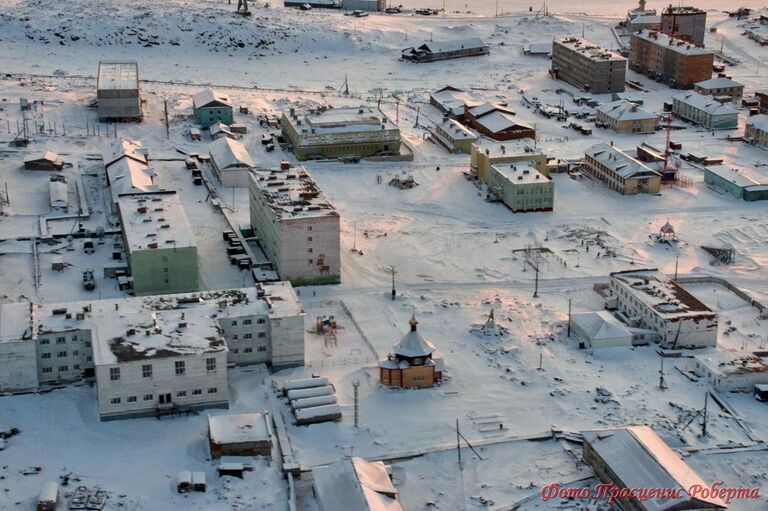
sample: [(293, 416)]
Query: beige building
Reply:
[(720, 88), (625, 117), (756, 130), (588, 66), (486, 153), (620, 171), (452, 135), (297, 227)]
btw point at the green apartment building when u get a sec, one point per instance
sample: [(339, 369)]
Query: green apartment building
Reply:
[(521, 187), (162, 253), (211, 107)]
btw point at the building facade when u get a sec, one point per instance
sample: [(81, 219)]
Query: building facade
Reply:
[(411, 363), (675, 62), (431, 51), (298, 228), (729, 371), (231, 162), (756, 130), (521, 187), (341, 132), (211, 107), (497, 122), (452, 135), (720, 88), (686, 23), (651, 300), (117, 91), (625, 117), (620, 171), (485, 154), (736, 182), (705, 111), (588, 66)]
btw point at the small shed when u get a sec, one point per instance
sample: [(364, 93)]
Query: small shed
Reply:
[(46, 160), (304, 383), (194, 134), (600, 330), (316, 414), (184, 481), (247, 434), (198, 481), (59, 196), (309, 402), (48, 499), (325, 390)]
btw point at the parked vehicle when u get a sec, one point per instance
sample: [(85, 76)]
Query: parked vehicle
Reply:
[(89, 282)]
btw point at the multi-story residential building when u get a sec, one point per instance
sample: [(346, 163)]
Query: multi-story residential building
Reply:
[(151, 353), (756, 130), (212, 107), (705, 111), (341, 132), (675, 62), (297, 227), (733, 371), (117, 91), (485, 154), (620, 171), (720, 88), (162, 251), (454, 136), (649, 299), (521, 186), (686, 23), (588, 66), (762, 101), (625, 117)]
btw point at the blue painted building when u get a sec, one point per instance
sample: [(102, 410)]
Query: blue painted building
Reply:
[(211, 107)]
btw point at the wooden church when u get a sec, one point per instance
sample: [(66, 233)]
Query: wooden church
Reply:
[(411, 363)]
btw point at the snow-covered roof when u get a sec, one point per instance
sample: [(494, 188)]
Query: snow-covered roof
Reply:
[(518, 147), (209, 97), (15, 321), (239, 428), (705, 103), (639, 458), (520, 172), (758, 122), (313, 412), (733, 363), (58, 193), (661, 294), (591, 50), (413, 344), (155, 221), (453, 99), (128, 176), (619, 162), (291, 193), (499, 121), (342, 125), (538, 48), (48, 156), (623, 110), (487, 108), (457, 131), (671, 43), (449, 46), (735, 176), (118, 148), (118, 75), (645, 19), (355, 485), (718, 83), (600, 325), (230, 154)]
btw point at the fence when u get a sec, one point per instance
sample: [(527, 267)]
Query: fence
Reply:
[(359, 330)]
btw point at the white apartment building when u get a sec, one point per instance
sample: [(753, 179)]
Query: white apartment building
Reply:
[(733, 371), (651, 300), (297, 227)]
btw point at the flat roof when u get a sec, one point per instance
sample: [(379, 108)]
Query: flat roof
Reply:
[(494, 149), (718, 83), (118, 75), (292, 193), (342, 125), (520, 172), (734, 363), (15, 321), (155, 221), (239, 428), (662, 294), (591, 50), (735, 176), (671, 43)]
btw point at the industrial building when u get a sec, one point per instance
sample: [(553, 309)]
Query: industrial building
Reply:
[(117, 91), (651, 300), (497, 122), (431, 51), (733, 371), (355, 485), (411, 363), (211, 107), (452, 135), (485, 154), (756, 130), (521, 186), (298, 228), (636, 457), (705, 111), (626, 117), (162, 252), (364, 5), (231, 162), (340, 132), (738, 182), (588, 66), (148, 354), (452, 101), (686, 23), (675, 62), (720, 88), (620, 171)]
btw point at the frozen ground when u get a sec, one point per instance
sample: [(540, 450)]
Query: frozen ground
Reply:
[(453, 252)]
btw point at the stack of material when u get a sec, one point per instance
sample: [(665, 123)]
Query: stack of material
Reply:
[(312, 400)]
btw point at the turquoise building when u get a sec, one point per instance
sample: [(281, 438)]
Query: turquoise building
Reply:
[(212, 107)]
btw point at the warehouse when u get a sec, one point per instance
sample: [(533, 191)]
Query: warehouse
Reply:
[(737, 182), (431, 51), (355, 485), (117, 91)]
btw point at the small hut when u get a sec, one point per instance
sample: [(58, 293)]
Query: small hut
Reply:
[(411, 363), (667, 232)]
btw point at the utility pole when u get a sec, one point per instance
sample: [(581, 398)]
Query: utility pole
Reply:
[(397, 111), (458, 441), (355, 386), (569, 317), (392, 270), (167, 128), (677, 260), (704, 424), (533, 259), (541, 362), (662, 382), (417, 118), (354, 237)]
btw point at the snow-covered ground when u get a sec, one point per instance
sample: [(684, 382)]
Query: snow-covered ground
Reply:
[(454, 253)]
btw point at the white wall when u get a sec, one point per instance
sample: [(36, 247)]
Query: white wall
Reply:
[(18, 365)]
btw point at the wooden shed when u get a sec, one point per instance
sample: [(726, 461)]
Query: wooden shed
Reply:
[(246, 434)]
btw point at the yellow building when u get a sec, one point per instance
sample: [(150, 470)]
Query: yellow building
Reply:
[(620, 171), (625, 117), (411, 364), (486, 154)]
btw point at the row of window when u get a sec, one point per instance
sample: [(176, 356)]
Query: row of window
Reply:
[(246, 322), (151, 397), (236, 337), (248, 350), (62, 340), (61, 369), (180, 368)]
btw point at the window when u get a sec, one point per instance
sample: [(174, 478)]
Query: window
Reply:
[(87, 344), (47, 369), (309, 227), (235, 351), (45, 355), (89, 358), (309, 250), (114, 373), (261, 348), (212, 390), (180, 368), (131, 399), (262, 335), (45, 341), (247, 321), (115, 400), (63, 369), (61, 354), (181, 393), (248, 350), (234, 322), (261, 321), (197, 392), (309, 238), (146, 370), (210, 364), (247, 336), (234, 337), (75, 353), (418, 378), (148, 397), (309, 261), (61, 340), (77, 367)]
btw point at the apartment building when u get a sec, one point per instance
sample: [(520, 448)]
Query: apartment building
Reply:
[(678, 63), (705, 111), (620, 171), (588, 66), (623, 116), (686, 23)]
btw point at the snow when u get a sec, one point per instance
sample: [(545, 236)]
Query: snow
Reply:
[(118, 75), (718, 83), (705, 104), (623, 110), (292, 193), (209, 96), (230, 154), (155, 221), (413, 344), (355, 485), (677, 45), (619, 161), (239, 428)]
